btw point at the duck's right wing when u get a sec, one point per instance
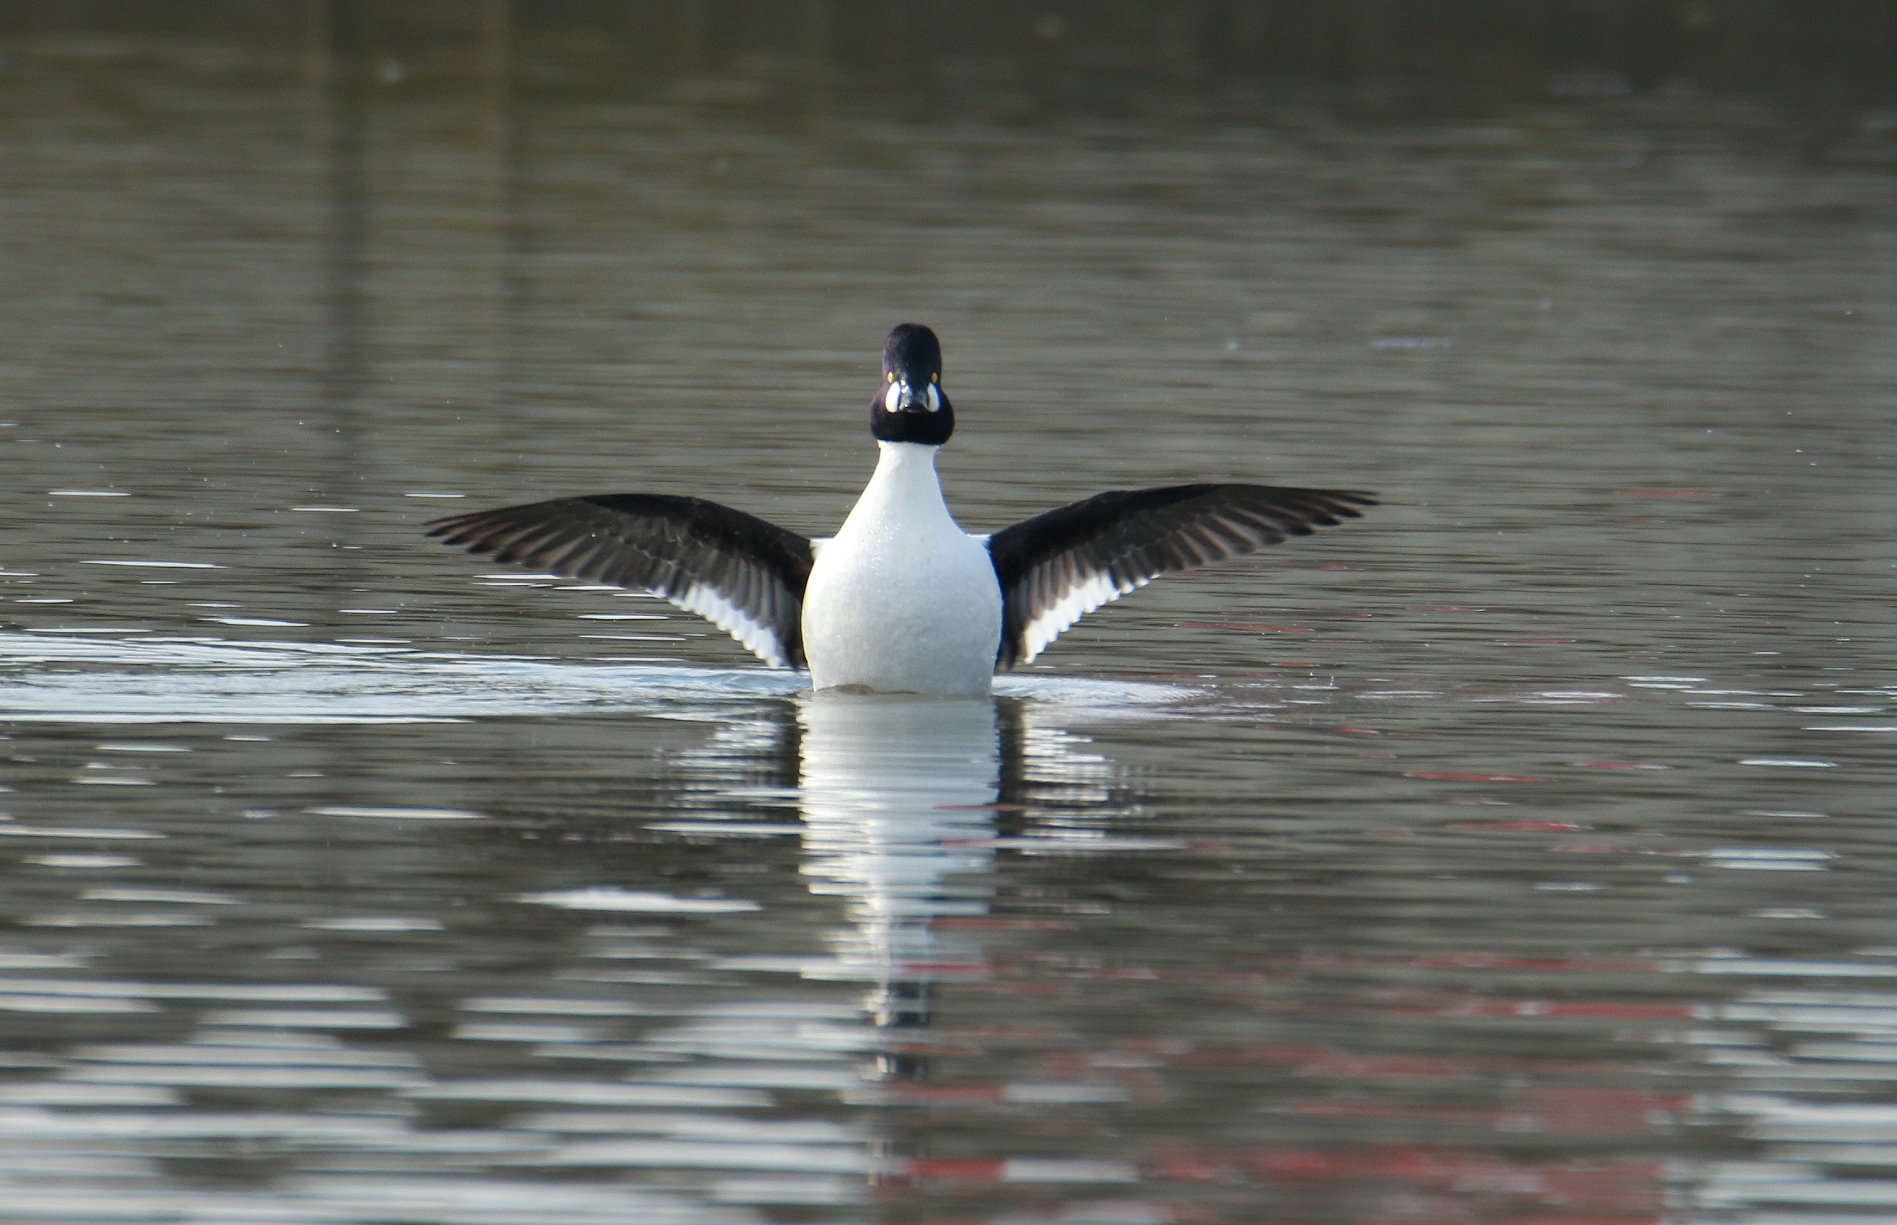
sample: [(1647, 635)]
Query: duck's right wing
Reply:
[(1059, 566), (743, 574)]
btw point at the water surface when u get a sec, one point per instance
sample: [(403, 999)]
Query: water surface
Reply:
[(1517, 854)]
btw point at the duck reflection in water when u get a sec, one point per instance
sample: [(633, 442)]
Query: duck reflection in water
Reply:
[(899, 807), (905, 803)]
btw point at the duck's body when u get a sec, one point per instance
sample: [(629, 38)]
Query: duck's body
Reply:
[(901, 599)]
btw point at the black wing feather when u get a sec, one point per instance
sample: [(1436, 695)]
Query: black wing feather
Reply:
[(744, 573), (1057, 567)]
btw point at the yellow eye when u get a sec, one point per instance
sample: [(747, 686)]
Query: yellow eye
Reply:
[(935, 378), (890, 377)]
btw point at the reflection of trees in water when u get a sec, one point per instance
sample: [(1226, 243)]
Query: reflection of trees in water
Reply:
[(1121, 57), (1133, 59)]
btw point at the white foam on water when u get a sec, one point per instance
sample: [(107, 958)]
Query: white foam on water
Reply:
[(168, 679)]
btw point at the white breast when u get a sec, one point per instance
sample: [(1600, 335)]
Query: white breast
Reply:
[(901, 599)]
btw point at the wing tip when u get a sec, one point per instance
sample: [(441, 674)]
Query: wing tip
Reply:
[(449, 529)]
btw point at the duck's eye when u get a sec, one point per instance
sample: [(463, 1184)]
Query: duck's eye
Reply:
[(890, 378), (935, 378)]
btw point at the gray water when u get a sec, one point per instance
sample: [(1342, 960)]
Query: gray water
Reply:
[(1517, 854)]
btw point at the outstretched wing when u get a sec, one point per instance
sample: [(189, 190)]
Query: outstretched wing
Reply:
[(741, 573), (1057, 567)]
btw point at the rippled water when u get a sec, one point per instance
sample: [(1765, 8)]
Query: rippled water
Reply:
[(1517, 854)]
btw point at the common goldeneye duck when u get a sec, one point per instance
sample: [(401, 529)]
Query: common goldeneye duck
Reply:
[(901, 599)]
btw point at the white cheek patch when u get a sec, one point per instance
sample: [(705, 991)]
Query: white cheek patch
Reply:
[(894, 395)]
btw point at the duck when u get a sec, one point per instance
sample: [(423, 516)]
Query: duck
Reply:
[(901, 599)]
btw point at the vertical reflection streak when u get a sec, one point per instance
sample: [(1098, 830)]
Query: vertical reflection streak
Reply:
[(898, 809)]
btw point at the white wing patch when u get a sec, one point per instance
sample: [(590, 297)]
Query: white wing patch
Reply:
[(1072, 604), (758, 638)]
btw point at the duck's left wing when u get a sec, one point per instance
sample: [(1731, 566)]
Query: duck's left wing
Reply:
[(744, 574), (1057, 567)]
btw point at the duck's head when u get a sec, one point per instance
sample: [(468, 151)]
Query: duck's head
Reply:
[(911, 406)]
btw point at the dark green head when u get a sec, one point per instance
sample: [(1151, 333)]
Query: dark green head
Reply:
[(912, 407)]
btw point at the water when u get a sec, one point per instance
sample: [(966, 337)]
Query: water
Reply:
[(1516, 854)]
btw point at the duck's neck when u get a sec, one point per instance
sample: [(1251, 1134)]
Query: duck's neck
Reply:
[(904, 489)]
